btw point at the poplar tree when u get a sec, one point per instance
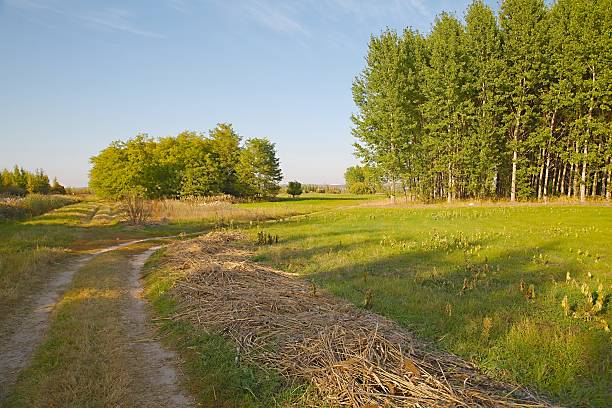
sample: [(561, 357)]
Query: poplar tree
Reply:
[(387, 124), (446, 106), (523, 43), (482, 45)]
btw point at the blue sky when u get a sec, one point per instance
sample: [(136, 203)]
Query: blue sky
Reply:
[(76, 75)]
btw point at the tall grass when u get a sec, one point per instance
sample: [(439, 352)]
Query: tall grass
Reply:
[(32, 205)]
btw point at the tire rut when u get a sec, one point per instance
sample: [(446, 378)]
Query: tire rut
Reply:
[(156, 375)]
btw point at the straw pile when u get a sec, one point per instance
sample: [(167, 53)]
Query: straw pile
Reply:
[(352, 357)]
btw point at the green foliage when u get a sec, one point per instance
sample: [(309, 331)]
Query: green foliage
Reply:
[(258, 169), (516, 104), (362, 180), (190, 164), (294, 188), (20, 182)]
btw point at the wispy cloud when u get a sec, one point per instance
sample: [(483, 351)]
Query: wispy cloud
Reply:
[(274, 17), (116, 19), (180, 6), (111, 19)]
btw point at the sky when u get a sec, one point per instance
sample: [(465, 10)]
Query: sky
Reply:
[(77, 75)]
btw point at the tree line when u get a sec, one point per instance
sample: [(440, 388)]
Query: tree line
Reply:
[(189, 165), (20, 182), (509, 105)]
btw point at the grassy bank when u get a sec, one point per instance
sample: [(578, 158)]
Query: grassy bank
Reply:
[(487, 283)]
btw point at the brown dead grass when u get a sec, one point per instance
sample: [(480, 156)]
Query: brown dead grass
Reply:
[(351, 356)]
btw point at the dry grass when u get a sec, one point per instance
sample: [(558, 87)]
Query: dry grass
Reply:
[(223, 212), (351, 356)]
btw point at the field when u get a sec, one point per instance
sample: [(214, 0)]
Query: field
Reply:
[(486, 283), (522, 291)]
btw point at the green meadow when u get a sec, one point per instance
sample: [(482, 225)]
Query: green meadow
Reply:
[(512, 288)]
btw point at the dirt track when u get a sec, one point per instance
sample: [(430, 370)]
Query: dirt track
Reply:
[(21, 334)]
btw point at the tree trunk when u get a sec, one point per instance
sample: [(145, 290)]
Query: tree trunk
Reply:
[(586, 142), (609, 180), (575, 174), (562, 180), (583, 175), (515, 134), (449, 197), (546, 176), (541, 175)]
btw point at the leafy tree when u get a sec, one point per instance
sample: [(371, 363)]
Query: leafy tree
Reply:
[(386, 93), (294, 188), (446, 103), (226, 154), (522, 23), (38, 182), (57, 188), (126, 169), (259, 169), (516, 105), (484, 105), (362, 180)]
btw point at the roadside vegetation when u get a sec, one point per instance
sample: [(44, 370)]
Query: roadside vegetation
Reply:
[(522, 291)]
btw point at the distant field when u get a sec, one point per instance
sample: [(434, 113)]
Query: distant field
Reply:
[(226, 213), (487, 283)]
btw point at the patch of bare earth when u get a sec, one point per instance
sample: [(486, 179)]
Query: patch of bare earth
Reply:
[(155, 372), (351, 356)]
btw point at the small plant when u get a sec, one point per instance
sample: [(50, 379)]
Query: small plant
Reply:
[(264, 238), (367, 301), (449, 309), (487, 323), (313, 288), (565, 305)]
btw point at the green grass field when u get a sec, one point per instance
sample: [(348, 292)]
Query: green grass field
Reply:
[(487, 283)]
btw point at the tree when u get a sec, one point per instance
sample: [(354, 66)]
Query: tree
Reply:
[(38, 182), (484, 108), (523, 44), (294, 188), (362, 180), (387, 93), (57, 188), (258, 169), (225, 146), (446, 109)]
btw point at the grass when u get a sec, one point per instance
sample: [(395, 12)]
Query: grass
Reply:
[(211, 366), (461, 277), (84, 360), (225, 213), (33, 205)]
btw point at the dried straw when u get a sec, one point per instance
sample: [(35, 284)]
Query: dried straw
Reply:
[(352, 357)]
